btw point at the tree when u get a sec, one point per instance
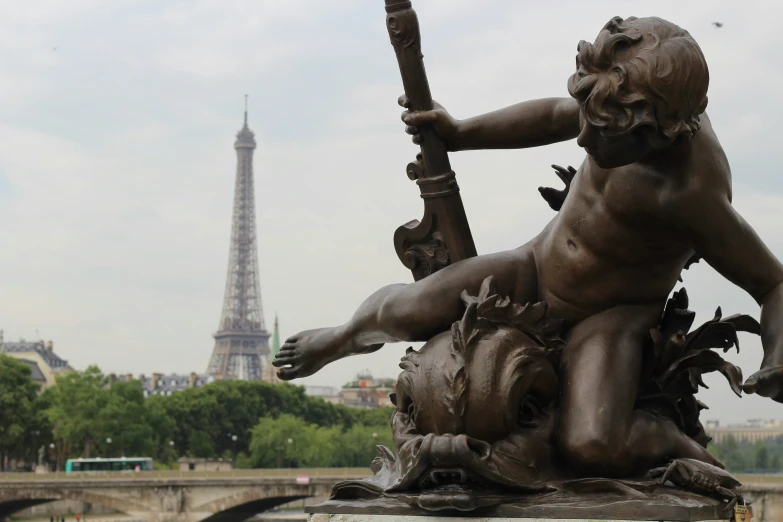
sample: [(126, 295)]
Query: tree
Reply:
[(125, 421), (77, 410), (41, 428), (233, 408), (162, 428), (761, 455), (774, 463), (17, 396), (288, 441), (737, 456), (243, 461), (269, 446), (357, 445), (84, 409), (374, 417), (200, 445)]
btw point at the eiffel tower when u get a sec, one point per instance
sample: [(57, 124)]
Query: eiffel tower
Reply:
[(242, 340)]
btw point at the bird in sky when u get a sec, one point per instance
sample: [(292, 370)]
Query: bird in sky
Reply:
[(54, 48), (717, 24)]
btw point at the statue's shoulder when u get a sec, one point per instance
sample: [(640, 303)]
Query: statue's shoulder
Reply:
[(707, 165)]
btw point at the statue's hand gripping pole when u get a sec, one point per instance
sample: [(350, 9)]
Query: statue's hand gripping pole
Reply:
[(443, 235)]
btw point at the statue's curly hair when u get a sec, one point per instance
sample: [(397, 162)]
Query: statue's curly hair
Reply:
[(641, 73)]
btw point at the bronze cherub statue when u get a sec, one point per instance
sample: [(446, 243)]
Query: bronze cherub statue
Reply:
[(607, 387)]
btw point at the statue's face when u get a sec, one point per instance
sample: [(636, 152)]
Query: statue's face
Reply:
[(615, 152)]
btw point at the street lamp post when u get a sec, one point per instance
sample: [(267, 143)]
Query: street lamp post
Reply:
[(35, 447), (290, 441), (108, 447), (54, 457), (374, 442), (234, 458)]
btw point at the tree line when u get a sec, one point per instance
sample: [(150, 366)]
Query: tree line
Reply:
[(274, 425), (745, 457), (258, 424)]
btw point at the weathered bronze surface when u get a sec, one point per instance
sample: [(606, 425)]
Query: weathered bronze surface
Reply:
[(443, 236), (565, 372), (586, 499)]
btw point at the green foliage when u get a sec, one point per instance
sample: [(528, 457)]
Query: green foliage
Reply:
[(762, 455), (269, 446), (243, 461), (200, 444), (162, 427), (744, 457), (774, 463), (288, 441), (158, 465), (17, 408), (84, 409), (356, 446), (227, 408), (373, 417), (78, 400)]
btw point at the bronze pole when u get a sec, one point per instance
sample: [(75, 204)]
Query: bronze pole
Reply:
[(443, 236)]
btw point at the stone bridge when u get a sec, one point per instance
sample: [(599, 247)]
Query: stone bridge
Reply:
[(233, 496), (766, 494), (229, 496)]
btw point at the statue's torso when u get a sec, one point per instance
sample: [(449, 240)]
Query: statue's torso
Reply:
[(612, 242)]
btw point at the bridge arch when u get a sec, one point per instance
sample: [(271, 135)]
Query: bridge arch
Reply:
[(250, 508), (256, 498), (15, 500), (162, 498)]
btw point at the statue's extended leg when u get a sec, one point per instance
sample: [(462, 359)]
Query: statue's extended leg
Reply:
[(600, 434), (412, 312)]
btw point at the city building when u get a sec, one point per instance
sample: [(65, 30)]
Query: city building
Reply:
[(242, 341), (327, 393), (751, 431), (367, 392), (45, 365), (36, 375), (160, 384), (364, 392)]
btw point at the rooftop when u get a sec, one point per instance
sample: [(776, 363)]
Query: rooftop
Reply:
[(159, 384), (35, 372), (321, 391), (44, 349)]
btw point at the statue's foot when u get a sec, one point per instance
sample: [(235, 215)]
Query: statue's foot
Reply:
[(307, 352)]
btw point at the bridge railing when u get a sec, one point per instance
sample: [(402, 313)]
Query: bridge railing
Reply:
[(285, 473), (761, 479)]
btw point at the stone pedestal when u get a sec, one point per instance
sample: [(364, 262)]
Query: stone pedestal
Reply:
[(663, 505), (323, 517)]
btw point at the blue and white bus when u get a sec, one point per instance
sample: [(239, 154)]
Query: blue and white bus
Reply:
[(98, 465)]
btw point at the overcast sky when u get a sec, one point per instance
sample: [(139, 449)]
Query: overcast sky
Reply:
[(117, 123)]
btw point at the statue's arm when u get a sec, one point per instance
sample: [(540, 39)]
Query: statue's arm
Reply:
[(527, 124), (730, 245)]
